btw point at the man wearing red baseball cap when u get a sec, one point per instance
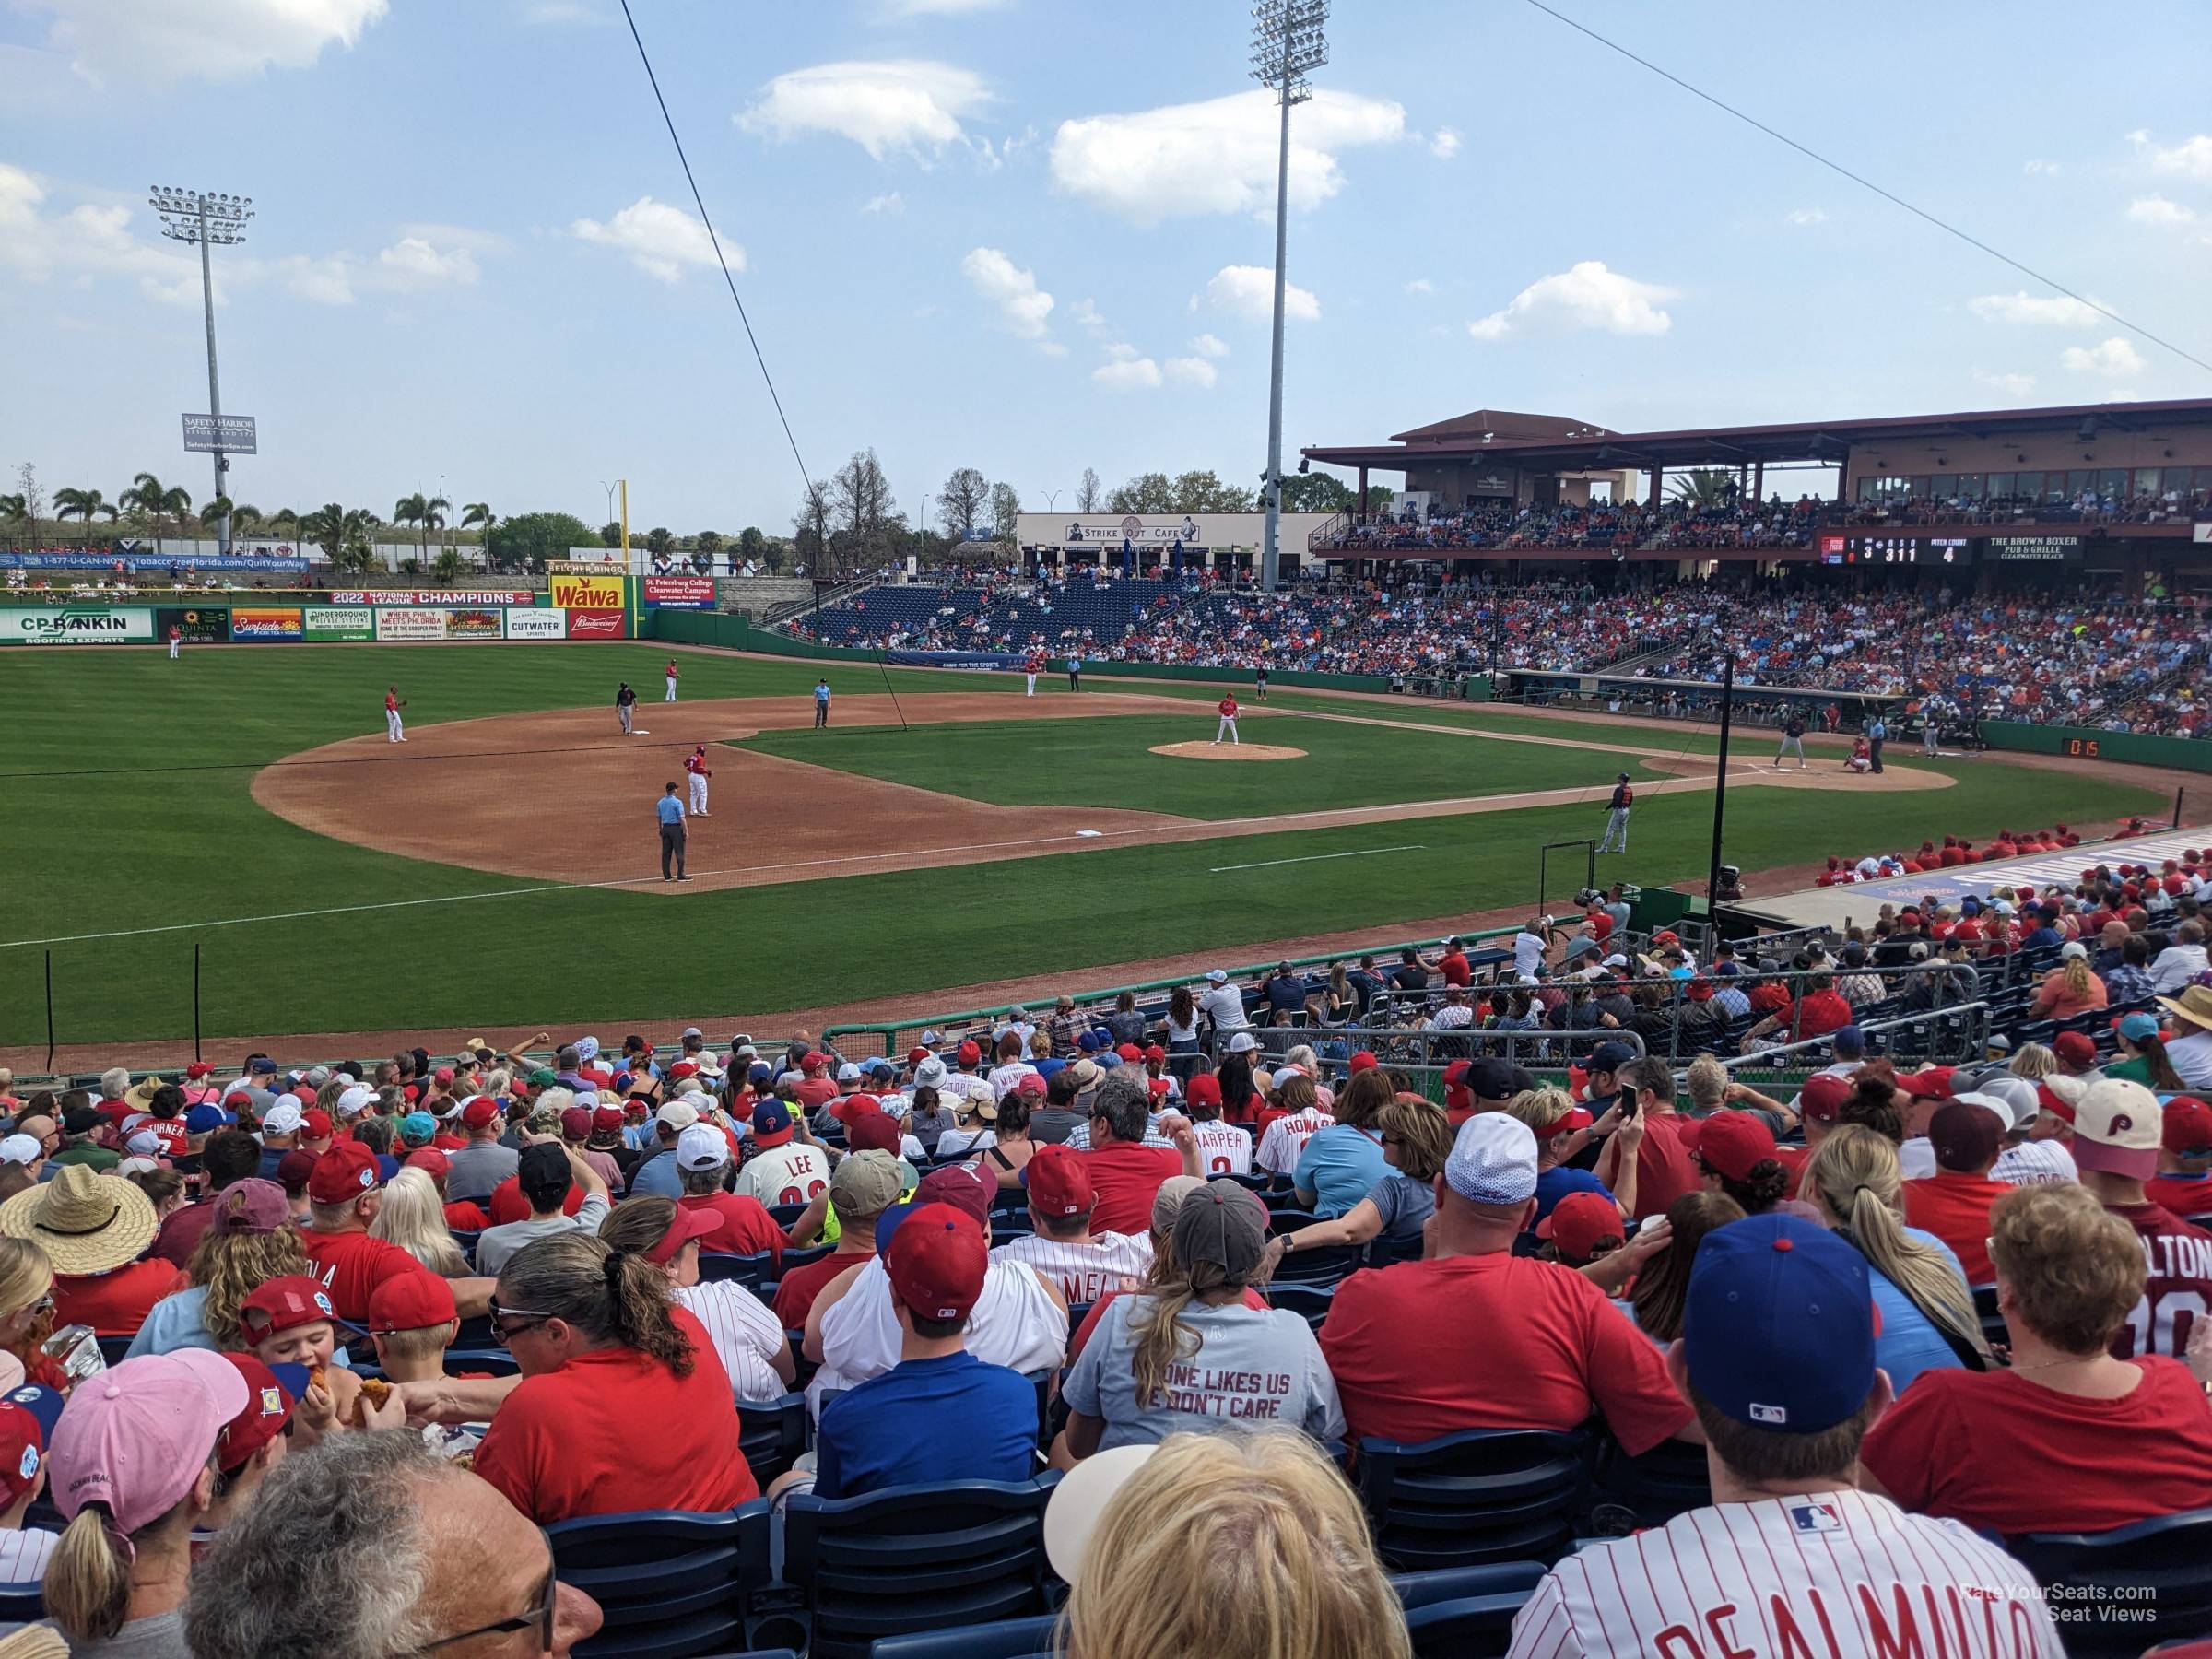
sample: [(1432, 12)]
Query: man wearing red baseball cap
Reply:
[(897, 1429), (483, 1163), (1223, 1148), (27, 1418), (816, 1089), (343, 1196), (1583, 1228), (1085, 1264), (2183, 1184)]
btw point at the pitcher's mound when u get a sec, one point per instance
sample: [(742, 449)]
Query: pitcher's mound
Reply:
[(1229, 751)]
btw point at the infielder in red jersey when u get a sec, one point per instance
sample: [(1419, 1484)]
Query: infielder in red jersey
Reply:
[(1226, 707), (695, 763), (395, 732), (1031, 667)]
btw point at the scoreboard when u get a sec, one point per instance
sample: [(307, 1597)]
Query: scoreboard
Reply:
[(1896, 550)]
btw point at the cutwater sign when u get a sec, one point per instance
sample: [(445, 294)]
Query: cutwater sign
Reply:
[(80, 625)]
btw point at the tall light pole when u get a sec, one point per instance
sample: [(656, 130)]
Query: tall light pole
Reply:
[(1286, 41), (196, 216)]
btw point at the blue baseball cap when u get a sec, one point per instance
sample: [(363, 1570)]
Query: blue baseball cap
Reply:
[(1850, 1041), (208, 1117), (1090, 1042), (887, 1223), (2136, 1025), (44, 1404), (1778, 1327), (418, 1127), (759, 1077), (771, 1122)]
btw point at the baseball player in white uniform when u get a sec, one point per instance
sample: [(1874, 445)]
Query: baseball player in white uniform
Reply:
[(1227, 728), (695, 767), (1783, 1562), (668, 674)]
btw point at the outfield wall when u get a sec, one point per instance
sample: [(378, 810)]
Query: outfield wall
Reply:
[(2082, 743), (598, 608)]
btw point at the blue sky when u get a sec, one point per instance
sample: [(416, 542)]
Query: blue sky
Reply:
[(1033, 236)]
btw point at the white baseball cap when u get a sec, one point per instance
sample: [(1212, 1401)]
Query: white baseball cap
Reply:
[(20, 1150), (283, 1118), (2118, 1128), (2074, 950), (1073, 1512), (1243, 1043), (2002, 1109), (145, 1143), (356, 1100), (702, 1147), (848, 1072), (1493, 1160), (678, 1115)]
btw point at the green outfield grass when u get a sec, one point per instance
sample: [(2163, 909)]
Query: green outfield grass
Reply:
[(1109, 762), (125, 801)]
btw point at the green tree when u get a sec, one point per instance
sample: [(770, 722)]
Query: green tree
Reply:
[(1702, 487), (775, 553), (750, 544), (426, 512), (157, 501), (961, 501), (658, 541), (15, 510), (1317, 492), (1087, 492), (1148, 493), (285, 521), (447, 565), (1381, 498), (527, 540), (245, 518), (85, 504), (1005, 512), (610, 535), (479, 516), (212, 515), (1207, 492)]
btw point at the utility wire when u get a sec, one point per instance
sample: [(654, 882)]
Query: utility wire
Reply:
[(1890, 196), (814, 494)]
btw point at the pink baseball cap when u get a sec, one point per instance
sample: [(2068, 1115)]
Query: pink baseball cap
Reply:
[(137, 1436)]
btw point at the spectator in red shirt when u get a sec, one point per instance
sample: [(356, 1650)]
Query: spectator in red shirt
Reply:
[(94, 1229), (1476, 1337), (599, 1341), (1664, 1170), (815, 1089), (1125, 1171), (1955, 1201), (1820, 1010), (2183, 1184), (743, 1227), (2069, 1438), (865, 1184), (343, 1195)]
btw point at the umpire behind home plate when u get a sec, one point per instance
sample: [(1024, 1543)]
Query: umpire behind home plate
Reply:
[(671, 811)]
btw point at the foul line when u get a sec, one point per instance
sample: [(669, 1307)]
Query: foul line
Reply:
[(1317, 857)]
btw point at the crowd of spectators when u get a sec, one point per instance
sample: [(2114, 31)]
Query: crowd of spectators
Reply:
[(257, 1316)]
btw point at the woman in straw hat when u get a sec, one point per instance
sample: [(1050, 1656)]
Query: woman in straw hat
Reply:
[(2191, 1056), (94, 1229)]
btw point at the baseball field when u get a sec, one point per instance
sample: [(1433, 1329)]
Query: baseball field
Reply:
[(501, 870)]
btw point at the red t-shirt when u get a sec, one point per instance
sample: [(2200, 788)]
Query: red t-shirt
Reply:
[(1665, 1168), (1955, 1208), (509, 1204), (181, 1233), (549, 1448), (114, 1304), (1494, 1341), (1454, 969), (1820, 1012), (814, 1091), (795, 1290), (2179, 1290), (746, 1227), (352, 1265), (2185, 1195), (448, 1143), (1125, 1179), (1953, 1445), (466, 1217), (1769, 997)]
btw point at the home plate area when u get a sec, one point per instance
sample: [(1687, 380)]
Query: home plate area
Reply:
[(1228, 751)]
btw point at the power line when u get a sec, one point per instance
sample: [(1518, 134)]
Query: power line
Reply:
[(1890, 196)]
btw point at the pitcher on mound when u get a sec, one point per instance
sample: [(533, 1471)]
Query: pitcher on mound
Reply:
[(1228, 709)]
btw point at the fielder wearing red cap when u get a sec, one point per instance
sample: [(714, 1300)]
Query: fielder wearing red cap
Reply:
[(880, 1433)]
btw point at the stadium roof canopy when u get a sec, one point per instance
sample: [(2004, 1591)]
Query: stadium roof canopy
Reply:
[(1555, 442)]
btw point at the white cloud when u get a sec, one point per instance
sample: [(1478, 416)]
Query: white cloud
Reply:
[(2011, 385), (412, 262), (1443, 143), (2159, 210), (890, 202), (1085, 313), (1210, 345), (2115, 356), (2050, 310), (660, 239), (1215, 157), (1420, 284), (162, 42), (1807, 215), (1584, 296), (2045, 169), (893, 104), (1127, 375), (1022, 305), (564, 14), (1191, 371), (1249, 292), (2191, 157)]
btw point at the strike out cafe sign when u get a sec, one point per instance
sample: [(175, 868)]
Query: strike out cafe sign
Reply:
[(1158, 534)]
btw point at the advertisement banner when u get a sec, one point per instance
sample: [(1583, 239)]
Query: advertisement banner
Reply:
[(954, 659), (77, 625), (474, 625), (134, 561), (339, 622), (588, 593), (680, 592), (537, 625), (587, 560), (598, 624), (433, 596), (217, 434), (267, 626), (196, 627), (402, 624)]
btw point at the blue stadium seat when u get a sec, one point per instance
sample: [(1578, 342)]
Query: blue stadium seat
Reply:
[(22, 1604), (771, 1435), (476, 1331), (491, 1362), (1309, 1303), (1009, 1639), (670, 1583), (914, 1558), (2156, 1568), (113, 1348), (1670, 1479), (1461, 1612), (802, 1257), (751, 1271), (1479, 1496), (1323, 1266), (784, 1215), (467, 1241)]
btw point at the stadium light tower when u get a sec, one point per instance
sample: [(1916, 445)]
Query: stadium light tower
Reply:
[(211, 220), (1286, 41)]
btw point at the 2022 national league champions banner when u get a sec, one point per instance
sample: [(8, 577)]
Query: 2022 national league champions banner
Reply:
[(593, 606)]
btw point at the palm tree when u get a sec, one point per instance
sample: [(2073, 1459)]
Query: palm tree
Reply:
[(85, 504), (245, 518), (428, 513), (1702, 487), (16, 509), (158, 501), (325, 527), (285, 521), (212, 515), (446, 567), (480, 516), (434, 517)]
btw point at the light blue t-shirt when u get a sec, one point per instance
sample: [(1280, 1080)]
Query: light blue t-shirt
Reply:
[(1910, 1342), (1255, 1367), (821, 694), (175, 1321), (670, 809), (1339, 1167)]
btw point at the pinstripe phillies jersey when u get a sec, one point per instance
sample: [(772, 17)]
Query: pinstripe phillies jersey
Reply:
[(1086, 1271), (1286, 1140), (1833, 1575), (1223, 1148)]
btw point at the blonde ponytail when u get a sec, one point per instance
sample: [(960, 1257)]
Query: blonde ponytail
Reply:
[(88, 1584), (1860, 1183)]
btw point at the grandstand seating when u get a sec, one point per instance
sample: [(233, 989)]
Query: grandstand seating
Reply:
[(668, 1583), (1482, 1495), (2153, 1570)]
